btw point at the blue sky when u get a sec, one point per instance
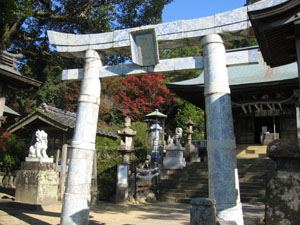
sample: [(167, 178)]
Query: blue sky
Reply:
[(191, 9)]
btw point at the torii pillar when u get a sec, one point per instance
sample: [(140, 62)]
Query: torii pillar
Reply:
[(77, 197), (222, 164)]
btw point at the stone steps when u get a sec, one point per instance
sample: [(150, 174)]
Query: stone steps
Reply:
[(192, 182), (251, 151)]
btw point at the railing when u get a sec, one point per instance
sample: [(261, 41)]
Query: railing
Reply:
[(7, 180), (144, 178)]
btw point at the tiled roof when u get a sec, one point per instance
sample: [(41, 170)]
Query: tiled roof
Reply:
[(69, 118), (247, 74), (64, 118), (10, 74)]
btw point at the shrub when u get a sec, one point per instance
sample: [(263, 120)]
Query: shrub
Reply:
[(12, 152)]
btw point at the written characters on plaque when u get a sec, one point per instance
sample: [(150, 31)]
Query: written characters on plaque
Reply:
[(144, 49), (122, 174)]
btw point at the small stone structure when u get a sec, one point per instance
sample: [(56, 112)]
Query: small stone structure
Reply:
[(203, 211), (37, 181), (283, 186), (174, 152), (190, 152), (126, 148)]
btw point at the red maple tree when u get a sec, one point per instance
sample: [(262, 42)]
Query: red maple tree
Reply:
[(139, 95)]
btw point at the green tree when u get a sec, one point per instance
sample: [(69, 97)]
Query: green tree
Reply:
[(23, 26), (187, 110), (179, 53), (11, 152)]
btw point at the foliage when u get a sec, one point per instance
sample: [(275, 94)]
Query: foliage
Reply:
[(137, 13), (11, 152), (23, 29), (140, 141), (23, 26), (181, 52), (68, 96), (186, 110), (109, 158), (138, 96), (241, 43)]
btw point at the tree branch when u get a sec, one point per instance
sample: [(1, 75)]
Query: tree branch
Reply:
[(6, 37), (45, 15)]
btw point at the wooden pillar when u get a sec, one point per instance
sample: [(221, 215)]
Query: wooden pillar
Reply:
[(63, 170), (297, 31), (94, 187), (57, 157), (63, 164), (2, 101)]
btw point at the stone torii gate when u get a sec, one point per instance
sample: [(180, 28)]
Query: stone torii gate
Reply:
[(144, 43)]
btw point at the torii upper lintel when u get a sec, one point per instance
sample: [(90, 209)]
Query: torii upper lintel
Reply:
[(231, 25)]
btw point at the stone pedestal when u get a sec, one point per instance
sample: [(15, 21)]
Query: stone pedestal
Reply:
[(122, 184), (174, 158), (37, 182), (283, 185), (191, 154), (203, 211)]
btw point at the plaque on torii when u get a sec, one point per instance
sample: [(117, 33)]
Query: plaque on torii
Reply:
[(143, 44)]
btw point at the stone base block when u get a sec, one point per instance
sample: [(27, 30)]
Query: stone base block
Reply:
[(174, 158), (203, 211), (174, 163), (194, 157), (282, 198), (230, 213), (36, 165), (37, 186), (40, 160)]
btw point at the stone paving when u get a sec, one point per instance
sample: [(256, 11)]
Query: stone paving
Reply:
[(104, 213)]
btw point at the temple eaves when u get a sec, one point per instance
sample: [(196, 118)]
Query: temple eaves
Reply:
[(231, 25)]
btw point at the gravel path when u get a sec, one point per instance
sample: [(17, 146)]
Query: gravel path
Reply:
[(104, 213)]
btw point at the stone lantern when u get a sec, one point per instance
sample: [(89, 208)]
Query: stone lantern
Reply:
[(156, 123), (190, 152), (126, 146), (123, 172)]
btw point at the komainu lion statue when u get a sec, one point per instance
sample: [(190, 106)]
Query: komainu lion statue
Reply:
[(38, 150)]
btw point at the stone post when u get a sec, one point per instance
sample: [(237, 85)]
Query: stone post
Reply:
[(77, 195), (222, 165), (190, 152), (203, 211)]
